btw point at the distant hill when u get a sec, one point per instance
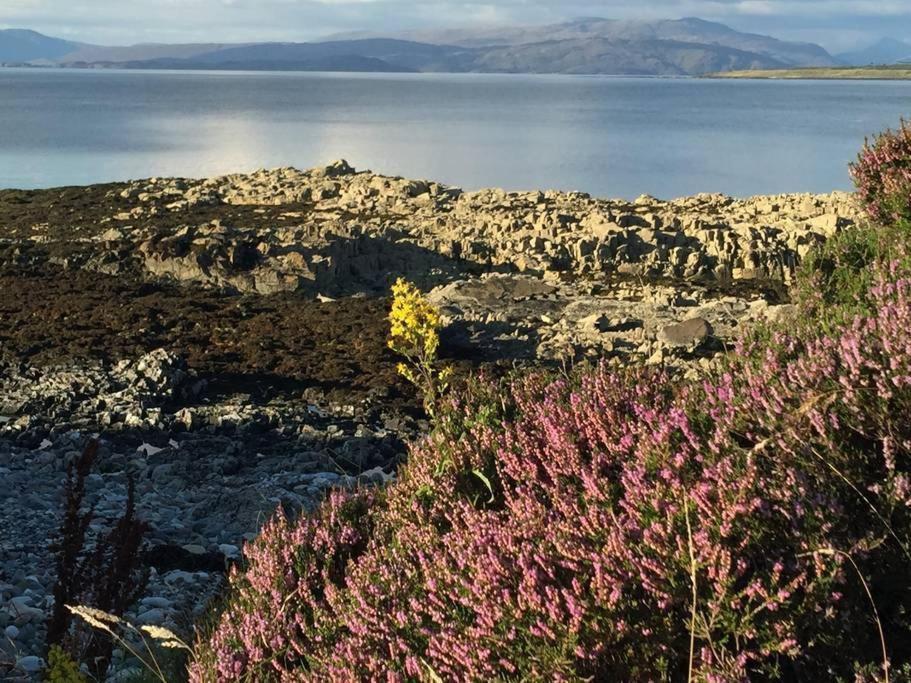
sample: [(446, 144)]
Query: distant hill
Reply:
[(376, 54), (688, 30), (20, 45), (579, 56), (884, 51), (585, 46), (611, 56), (98, 54), (350, 63)]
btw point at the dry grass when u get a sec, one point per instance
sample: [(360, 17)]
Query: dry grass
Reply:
[(857, 73)]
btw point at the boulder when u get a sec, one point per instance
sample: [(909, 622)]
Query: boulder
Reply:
[(596, 323), (31, 664), (689, 333)]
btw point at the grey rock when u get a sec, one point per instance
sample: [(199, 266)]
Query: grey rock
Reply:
[(688, 333), (228, 550), (30, 664), (156, 602), (154, 616)]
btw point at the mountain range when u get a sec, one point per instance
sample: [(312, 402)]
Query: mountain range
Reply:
[(884, 51), (583, 46)]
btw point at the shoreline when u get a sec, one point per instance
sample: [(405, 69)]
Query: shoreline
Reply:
[(847, 73), (106, 183), (882, 73), (226, 336)]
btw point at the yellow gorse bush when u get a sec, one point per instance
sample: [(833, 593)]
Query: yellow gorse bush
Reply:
[(415, 334)]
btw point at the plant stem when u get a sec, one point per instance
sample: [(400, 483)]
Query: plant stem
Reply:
[(689, 540)]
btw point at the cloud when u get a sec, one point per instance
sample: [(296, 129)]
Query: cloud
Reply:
[(833, 22)]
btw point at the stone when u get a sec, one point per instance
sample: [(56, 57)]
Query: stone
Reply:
[(30, 664), (228, 550), (828, 224), (782, 313), (656, 358), (691, 333), (152, 616), (596, 323), (338, 168), (156, 602)]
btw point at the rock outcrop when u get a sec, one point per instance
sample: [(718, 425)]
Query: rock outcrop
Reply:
[(565, 274), (350, 227)]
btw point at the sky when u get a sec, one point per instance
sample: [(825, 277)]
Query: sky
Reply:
[(836, 24)]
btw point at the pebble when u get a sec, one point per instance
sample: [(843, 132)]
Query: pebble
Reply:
[(151, 616), (31, 664), (154, 601), (204, 492), (229, 551)]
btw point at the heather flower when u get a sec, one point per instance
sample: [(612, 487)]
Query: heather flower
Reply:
[(882, 174)]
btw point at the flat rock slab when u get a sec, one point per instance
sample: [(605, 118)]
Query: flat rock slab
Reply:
[(497, 290), (624, 321)]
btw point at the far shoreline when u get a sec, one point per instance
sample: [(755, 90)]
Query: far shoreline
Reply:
[(848, 73), (884, 73)]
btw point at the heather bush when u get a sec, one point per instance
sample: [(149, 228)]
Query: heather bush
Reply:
[(616, 526), (882, 174), (835, 281), (279, 614)]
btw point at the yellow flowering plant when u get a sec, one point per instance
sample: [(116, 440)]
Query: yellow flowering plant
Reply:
[(415, 334)]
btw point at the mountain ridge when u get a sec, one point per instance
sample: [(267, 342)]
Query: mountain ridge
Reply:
[(688, 29), (591, 45), (883, 51), (26, 45)]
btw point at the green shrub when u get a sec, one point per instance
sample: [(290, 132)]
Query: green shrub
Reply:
[(61, 668), (834, 282)]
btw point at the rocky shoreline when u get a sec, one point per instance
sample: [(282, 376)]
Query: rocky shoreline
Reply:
[(225, 338)]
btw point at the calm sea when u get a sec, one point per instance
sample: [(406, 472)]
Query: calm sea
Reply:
[(604, 135)]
